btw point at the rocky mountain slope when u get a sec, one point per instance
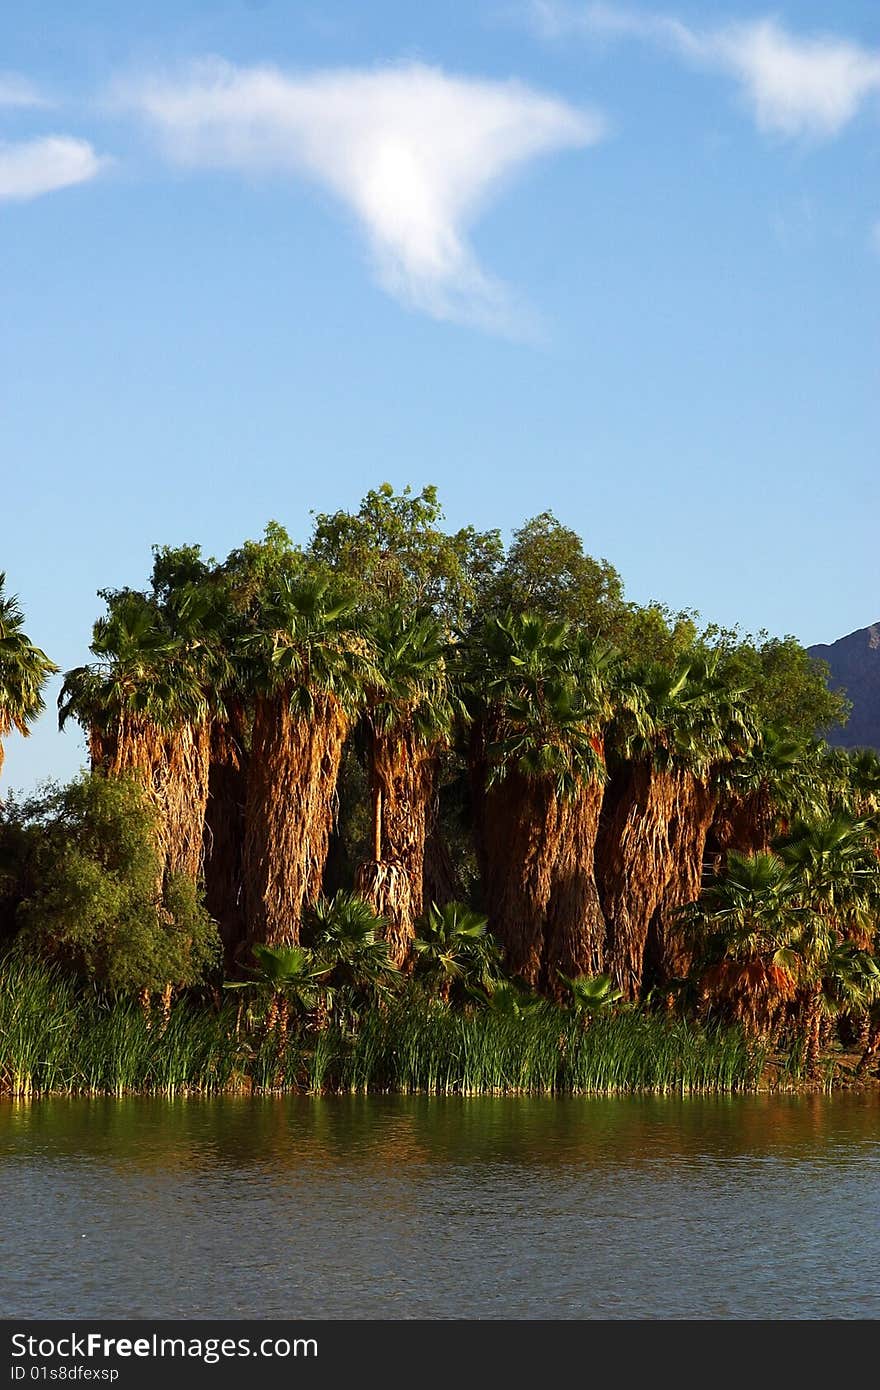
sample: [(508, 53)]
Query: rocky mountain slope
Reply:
[(855, 667)]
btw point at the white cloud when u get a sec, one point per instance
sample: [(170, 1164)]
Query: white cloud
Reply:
[(794, 85), (31, 167), (416, 154), (16, 90)]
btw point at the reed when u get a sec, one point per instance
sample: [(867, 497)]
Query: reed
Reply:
[(58, 1037)]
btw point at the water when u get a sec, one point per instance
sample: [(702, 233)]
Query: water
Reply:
[(401, 1208)]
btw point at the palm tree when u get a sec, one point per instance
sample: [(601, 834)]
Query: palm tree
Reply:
[(306, 664), (145, 704), (290, 980), (24, 670), (511, 999), (347, 935), (862, 778), (773, 779), (850, 981), (678, 724), (408, 721), (591, 994), (454, 950), (835, 864), (541, 698), (744, 926)]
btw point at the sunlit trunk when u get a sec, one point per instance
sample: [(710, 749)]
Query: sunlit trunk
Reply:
[(575, 922), (668, 953), (292, 774), (173, 767), (632, 864), (540, 888), (402, 772)]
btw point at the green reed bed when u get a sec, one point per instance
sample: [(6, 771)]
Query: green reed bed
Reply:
[(57, 1037), (432, 1050)]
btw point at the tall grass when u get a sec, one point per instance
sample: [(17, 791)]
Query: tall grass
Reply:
[(58, 1037)]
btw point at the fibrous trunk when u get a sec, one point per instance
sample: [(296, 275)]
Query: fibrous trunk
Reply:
[(539, 883), (289, 811), (224, 832), (811, 1013), (385, 885), (173, 766), (745, 824), (575, 921), (441, 882), (669, 954), (402, 774), (649, 863), (631, 864)]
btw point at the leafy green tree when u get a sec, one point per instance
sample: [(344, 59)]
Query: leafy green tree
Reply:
[(86, 867), (546, 572), (394, 550), (787, 687)]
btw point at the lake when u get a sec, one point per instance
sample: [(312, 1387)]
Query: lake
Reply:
[(296, 1207)]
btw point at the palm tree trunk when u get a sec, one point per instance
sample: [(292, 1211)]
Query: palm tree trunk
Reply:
[(520, 849), (745, 824), (289, 812), (377, 824), (576, 929), (441, 883), (813, 1034), (402, 774), (632, 864), (385, 885), (668, 954), (870, 1047), (173, 766), (167, 995), (224, 834), (540, 887)]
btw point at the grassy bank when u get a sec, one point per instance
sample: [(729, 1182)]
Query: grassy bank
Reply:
[(57, 1037)]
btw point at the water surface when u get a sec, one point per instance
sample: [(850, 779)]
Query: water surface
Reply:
[(737, 1207)]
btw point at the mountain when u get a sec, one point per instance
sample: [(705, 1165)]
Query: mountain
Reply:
[(855, 668)]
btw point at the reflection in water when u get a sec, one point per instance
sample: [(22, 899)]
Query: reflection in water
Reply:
[(408, 1207)]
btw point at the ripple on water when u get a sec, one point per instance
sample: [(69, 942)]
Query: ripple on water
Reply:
[(406, 1207)]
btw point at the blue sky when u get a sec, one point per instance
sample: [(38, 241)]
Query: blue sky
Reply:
[(621, 262)]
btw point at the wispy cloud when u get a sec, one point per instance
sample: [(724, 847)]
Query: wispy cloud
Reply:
[(16, 90), (794, 85), (414, 152), (31, 167)]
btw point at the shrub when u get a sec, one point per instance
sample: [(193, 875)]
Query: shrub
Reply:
[(84, 873)]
